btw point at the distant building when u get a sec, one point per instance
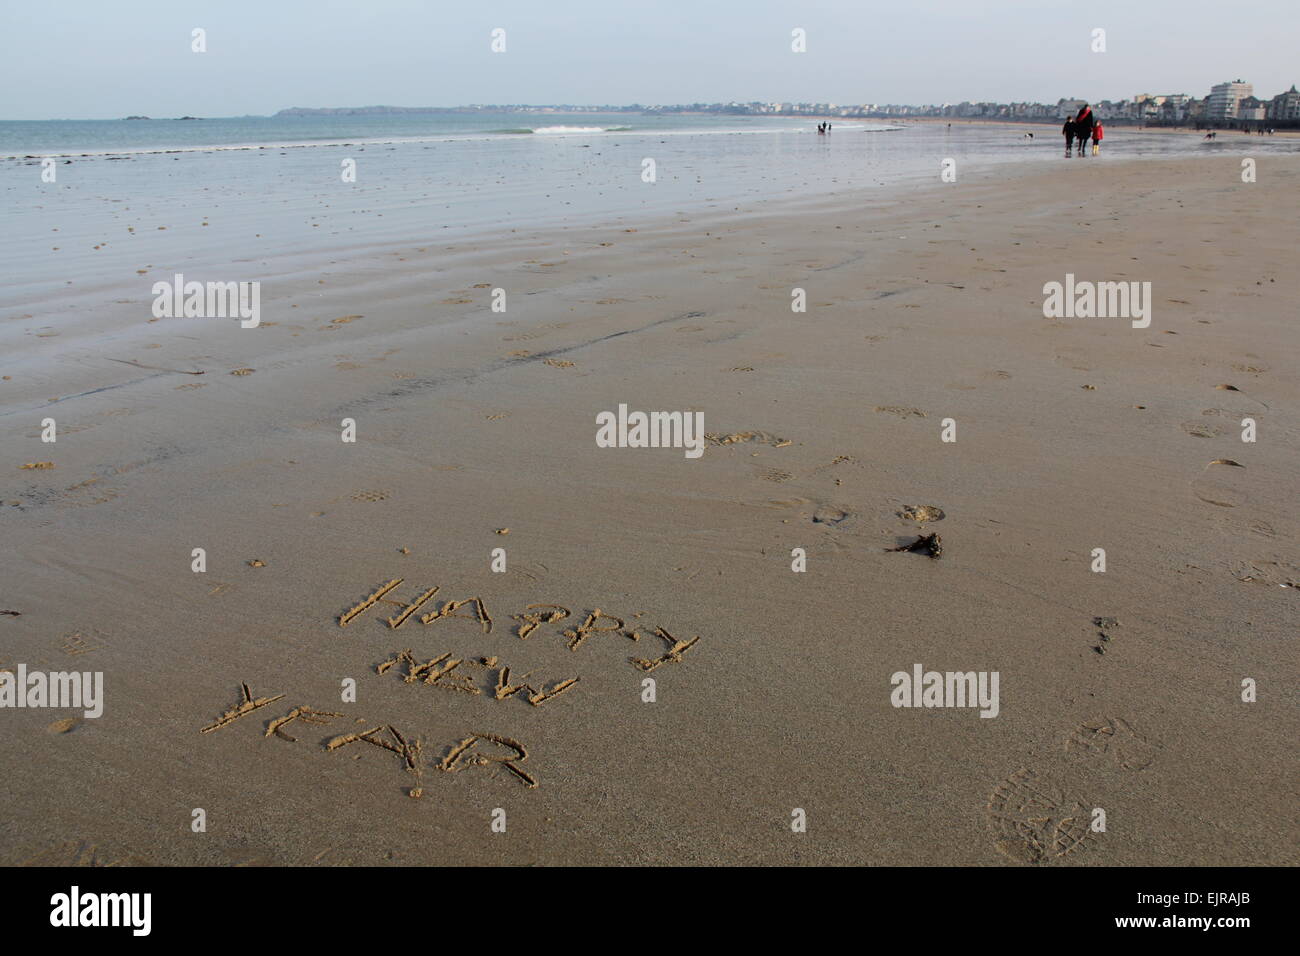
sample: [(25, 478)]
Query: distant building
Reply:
[(1224, 98), (1285, 106), (1174, 108), (1251, 108)]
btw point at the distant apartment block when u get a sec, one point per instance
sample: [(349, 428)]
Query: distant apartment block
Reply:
[(1224, 98), (1285, 106)]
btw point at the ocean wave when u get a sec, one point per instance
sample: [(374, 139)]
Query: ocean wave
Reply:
[(566, 130), (555, 130)]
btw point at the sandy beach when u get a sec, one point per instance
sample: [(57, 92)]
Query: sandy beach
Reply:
[(475, 431)]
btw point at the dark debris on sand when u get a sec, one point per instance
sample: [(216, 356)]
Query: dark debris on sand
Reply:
[(928, 544)]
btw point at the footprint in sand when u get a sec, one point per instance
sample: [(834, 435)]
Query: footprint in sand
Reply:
[(1276, 573), (832, 515), (1111, 742), (1202, 429), (1035, 821), (1035, 818), (88, 492), (740, 438), (1222, 483), (902, 411), (841, 464), (369, 495), (921, 513), (83, 641), (775, 474)]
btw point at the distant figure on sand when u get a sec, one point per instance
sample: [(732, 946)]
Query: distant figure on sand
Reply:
[(1083, 122), (1097, 133), (1068, 131)]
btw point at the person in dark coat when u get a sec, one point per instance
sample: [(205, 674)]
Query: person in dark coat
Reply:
[(1083, 122), (1068, 131)]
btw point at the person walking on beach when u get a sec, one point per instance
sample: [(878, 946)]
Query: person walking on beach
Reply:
[(1097, 133), (1083, 123), (1068, 131)]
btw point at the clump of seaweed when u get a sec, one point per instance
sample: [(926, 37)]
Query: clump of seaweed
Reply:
[(927, 544)]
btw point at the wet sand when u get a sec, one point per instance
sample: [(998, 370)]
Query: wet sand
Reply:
[(475, 431)]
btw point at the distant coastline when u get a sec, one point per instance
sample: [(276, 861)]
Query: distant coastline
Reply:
[(812, 110)]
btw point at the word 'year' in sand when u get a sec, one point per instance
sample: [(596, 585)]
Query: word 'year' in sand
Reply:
[(482, 750)]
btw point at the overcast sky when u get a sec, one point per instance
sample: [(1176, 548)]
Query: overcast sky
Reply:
[(105, 59)]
